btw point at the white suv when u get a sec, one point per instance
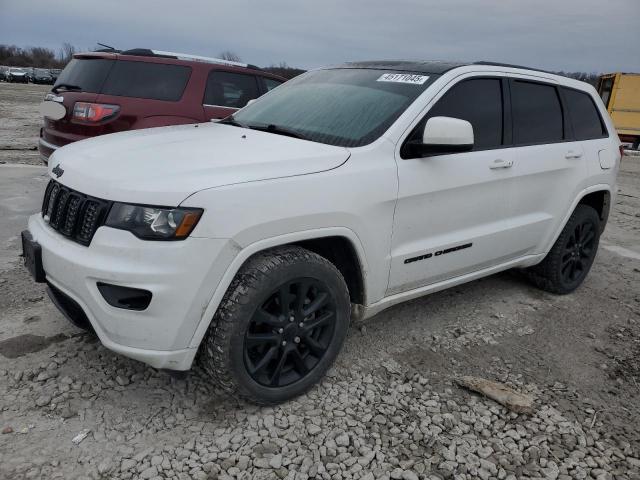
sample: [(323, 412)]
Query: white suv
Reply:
[(253, 241)]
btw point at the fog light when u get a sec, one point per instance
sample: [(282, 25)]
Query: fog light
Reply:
[(125, 297)]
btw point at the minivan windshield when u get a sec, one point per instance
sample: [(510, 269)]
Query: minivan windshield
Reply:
[(347, 107)]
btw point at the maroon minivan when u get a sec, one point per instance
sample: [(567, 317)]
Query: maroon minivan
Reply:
[(107, 92)]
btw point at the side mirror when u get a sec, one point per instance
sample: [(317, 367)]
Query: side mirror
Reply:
[(443, 135)]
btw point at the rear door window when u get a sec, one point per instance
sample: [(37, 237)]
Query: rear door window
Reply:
[(587, 123), (88, 74), (230, 90), (155, 81), (478, 101), (537, 113)]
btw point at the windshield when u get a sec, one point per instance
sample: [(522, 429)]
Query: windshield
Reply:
[(344, 107)]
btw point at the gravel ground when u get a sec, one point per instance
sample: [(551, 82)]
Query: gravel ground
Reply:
[(20, 123), (388, 409)]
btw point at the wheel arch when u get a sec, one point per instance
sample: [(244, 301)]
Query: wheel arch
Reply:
[(325, 242), (598, 196), (600, 201), (341, 252)]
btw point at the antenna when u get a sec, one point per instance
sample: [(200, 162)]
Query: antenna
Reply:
[(105, 46)]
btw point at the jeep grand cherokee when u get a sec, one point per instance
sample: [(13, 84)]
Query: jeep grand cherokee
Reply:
[(343, 192)]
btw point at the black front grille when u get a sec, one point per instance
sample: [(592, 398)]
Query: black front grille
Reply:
[(73, 214)]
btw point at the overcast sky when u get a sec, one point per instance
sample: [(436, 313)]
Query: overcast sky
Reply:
[(571, 35)]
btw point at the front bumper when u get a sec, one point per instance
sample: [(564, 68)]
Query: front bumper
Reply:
[(181, 276)]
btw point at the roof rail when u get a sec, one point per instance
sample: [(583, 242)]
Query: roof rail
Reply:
[(198, 58), (143, 52), (509, 65)]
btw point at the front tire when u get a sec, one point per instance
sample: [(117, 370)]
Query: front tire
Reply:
[(279, 327), (568, 262)]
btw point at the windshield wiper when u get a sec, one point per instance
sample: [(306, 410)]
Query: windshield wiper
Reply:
[(232, 121), (66, 86), (271, 128), (278, 130)]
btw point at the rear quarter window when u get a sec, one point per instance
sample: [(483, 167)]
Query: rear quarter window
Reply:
[(585, 118), (537, 113), (154, 81)]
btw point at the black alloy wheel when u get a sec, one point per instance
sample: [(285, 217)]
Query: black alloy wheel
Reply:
[(279, 327), (568, 262), (290, 332), (578, 251)]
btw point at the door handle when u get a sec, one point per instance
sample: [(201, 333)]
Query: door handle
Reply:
[(571, 154), (500, 163)]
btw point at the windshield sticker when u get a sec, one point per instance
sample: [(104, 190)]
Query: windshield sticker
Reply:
[(403, 78)]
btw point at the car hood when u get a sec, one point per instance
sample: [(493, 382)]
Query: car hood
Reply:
[(165, 165)]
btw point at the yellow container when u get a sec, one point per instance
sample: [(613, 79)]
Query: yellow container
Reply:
[(620, 92)]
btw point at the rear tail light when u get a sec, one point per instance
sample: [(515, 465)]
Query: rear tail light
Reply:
[(93, 112)]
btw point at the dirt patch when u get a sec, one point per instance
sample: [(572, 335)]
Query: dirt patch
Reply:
[(19, 131), (21, 345), (19, 289), (625, 353)]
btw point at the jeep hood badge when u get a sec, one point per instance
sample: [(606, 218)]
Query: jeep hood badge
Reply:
[(57, 171)]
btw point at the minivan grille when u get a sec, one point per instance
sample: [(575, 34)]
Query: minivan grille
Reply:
[(73, 214)]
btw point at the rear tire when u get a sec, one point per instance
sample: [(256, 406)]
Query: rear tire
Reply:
[(568, 262), (279, 327)]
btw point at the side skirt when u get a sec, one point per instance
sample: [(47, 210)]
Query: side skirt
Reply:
[(392, 300)]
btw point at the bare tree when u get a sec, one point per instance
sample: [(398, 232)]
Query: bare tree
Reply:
[(230, 56), (66, 52), (284, 70), (589, 77), (39, 57)]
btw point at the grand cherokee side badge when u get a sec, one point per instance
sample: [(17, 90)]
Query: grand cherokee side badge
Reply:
[(57, 171), (438, 253)]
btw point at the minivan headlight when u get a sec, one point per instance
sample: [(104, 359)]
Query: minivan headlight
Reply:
[(154, 223)]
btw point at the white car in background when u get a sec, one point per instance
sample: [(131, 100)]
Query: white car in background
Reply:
[(16, 75), (253, 241)]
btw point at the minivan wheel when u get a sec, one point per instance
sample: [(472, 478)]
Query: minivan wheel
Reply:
[(279, 327), (569, 260)]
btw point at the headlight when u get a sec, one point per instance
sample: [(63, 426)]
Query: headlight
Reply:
[(154, 223)]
